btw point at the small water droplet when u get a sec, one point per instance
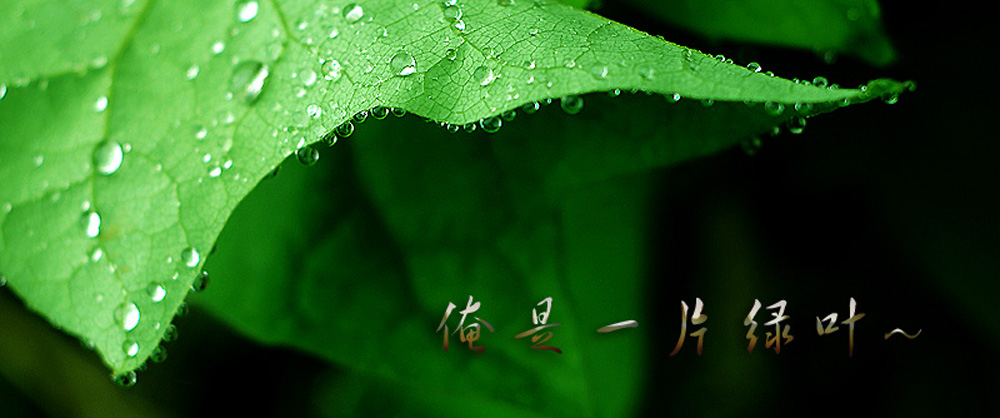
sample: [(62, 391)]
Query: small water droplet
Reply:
[(331, 70), (530, 108), (127, 315), (156, 292), (3, 280), (774, 108), (751, 145), (796, 125), (459, 25), (599, 72), (451, 128), (360, 117), (192, 72), (130, 347), (100, 104), (483, 75), (218, 47), (647, 72), (190, 257), (571, 104), (246, 10), (308, 77), (345, 130), (3, 90), (200, 132), (307, 155), (491, 124), (170, 333), (248, 80), (353, 13), (92, 224), (397, 112), (402, 64), (379, 112), (533, 31), (803, 108), (707, 102), (200, 282), (753, 66), (159, 354), (125, 380), (451, 54), (469, 127), (508, 115), (821, 82), (108, 157), (314, 111)]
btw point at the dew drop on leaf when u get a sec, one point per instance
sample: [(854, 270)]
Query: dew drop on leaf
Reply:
[(491, 124), (402, 64), (345, 129), (100, 104), (483, 75), (200, 132), (571, 104), (246, 10), (469, 127), (307, 155), (331, 70), (821, 82), (751, 146), (92, 224), (353, 13), (450, 54), (803, 108), (674, 98), (360, 117), (190, 257), (753, 66), (108, 157), (127, 315), (3, 90), (308, 77), (170, 333), (200, 282), (508, 115), (796, 125), (248, 80), (159, 354), (530, 108), (774, 108), (218, 47), (192, 72), (125, 380), (379, 112), (130, 347), (314, 111), (156, 292)]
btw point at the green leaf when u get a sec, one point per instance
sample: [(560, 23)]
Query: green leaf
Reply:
[(828, 27), (204, 99)]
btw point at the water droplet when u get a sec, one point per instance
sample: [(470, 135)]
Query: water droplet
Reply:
[(402, 64), (459, 25), (451, 128), (774, 108), (170, 333), (803, 108), (360, 117), (505, 2), (192, 72), (190, 257), (159, 354), (450, 54), (3, 280), (100, 104), (200, 282), (674, 98), (379, 112), (491, 124), (821, 82), (108, 157), (331, 70), (533, 31), (218, 47), (647, 72), (452, 13), (753, 66), (571, 104), (599, 72), (508, 115), (125, 380), (398, 112), (3, 90), (483, 75), (469, 127), (308, 77), (890, 98), (200, 132), (314, 111), (128, 316), (720, 57), (353, 13), (130, 347), (345, 129), (92, 224), (796, 125), (751, 145), (246, 10), (307, 155), (248, 80), (707, 102), (156, 292)]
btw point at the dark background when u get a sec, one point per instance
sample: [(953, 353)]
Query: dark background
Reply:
[(893, 205)]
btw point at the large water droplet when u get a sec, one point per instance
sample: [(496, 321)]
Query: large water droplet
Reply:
[(92, 224), (156, 292), (248, 80), (379, 112), (125, 380), (108, 157), (190, 257), (246, 10), (307, 155), (128, 316), (402, 64), (571, 104), (491, 125), (483, 75), (130, 347), (353, 13)]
